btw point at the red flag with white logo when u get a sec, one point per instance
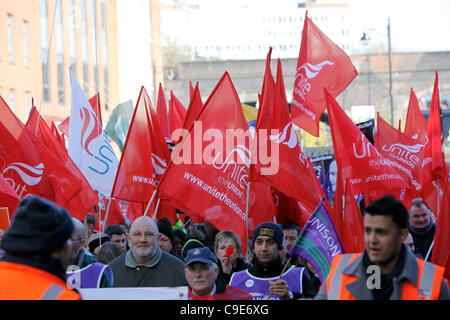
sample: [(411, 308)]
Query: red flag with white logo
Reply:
[(287, 168), (416, 124), (321, 64), (208, 174), (161, 114), (20, 163), (9, 201), (404, 153), (145, 155), (360, 161)]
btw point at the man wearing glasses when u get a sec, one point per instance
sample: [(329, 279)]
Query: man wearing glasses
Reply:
[(85, 271), (145, 264)]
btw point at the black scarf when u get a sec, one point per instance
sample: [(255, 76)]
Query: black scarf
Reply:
[(387, 283), (270, 271)]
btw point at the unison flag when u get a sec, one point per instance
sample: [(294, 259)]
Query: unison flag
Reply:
[(318, 242), (89, 146)]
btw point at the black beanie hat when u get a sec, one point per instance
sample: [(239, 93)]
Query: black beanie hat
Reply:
[(165, 228), (38, 225), (269, 229)]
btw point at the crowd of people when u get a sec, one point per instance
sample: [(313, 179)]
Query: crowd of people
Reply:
[(47, 254)]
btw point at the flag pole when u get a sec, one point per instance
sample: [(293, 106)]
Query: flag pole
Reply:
[(107, 212), (246, 210), (429, 250), (149, 203), (282, 272), (156, 209)]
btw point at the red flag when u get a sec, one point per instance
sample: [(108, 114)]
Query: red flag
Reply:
[(194, 109), (9, 199), (20, 163), (64, 126), (293, 176), (353, 224), (361, 162), (337, 214), (87, 197), (416, 124), (95, 104), (177, 113), (441, 246), (161, 114), (321, 64), (434, 133), (213, 186), (64, 183), (136, 179), (191, 90), (404, 153)]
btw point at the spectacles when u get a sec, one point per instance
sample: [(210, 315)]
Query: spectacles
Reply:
[(76, 240)]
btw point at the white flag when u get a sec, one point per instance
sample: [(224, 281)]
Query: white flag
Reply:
[(89, 147)]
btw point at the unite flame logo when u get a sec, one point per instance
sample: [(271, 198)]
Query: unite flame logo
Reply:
[(312, 70), (302, 86), (91, 129), (159, 164), (29, 175), (287, 137)]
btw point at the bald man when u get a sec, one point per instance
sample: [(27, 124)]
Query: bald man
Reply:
[(145, 264)]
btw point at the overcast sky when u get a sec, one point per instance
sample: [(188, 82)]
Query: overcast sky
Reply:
[(416, 25)]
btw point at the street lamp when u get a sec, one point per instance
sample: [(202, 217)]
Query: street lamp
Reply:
[(366, 37)]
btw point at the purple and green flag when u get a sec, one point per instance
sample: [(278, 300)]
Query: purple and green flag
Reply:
[(318, 242)]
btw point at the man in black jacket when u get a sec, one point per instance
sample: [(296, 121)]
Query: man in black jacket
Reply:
[(422, 228), (262, 279)]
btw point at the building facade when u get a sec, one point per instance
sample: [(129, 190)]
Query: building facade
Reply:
[(40, 40)]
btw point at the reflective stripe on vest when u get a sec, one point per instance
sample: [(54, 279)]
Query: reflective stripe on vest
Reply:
[(52, 292), (335, 285)]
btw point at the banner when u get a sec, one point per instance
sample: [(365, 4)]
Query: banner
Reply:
[(119, 122), (318, 242)]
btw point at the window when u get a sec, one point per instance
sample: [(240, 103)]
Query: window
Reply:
[(10, 39), (105, 54), (84, 46), (12, 100), (60, 53), (94, 46), (72, 34), (26, 55), (27, 102), (44, 50)]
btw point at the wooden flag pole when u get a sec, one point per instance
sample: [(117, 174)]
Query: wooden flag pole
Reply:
[(149, 203), (282, 272)]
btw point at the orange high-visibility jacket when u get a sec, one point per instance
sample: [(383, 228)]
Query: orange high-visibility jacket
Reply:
[(428, 285), (22, 282)]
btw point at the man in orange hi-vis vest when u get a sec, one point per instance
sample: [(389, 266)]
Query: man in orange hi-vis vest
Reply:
[(386, 270), (37, 249)]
